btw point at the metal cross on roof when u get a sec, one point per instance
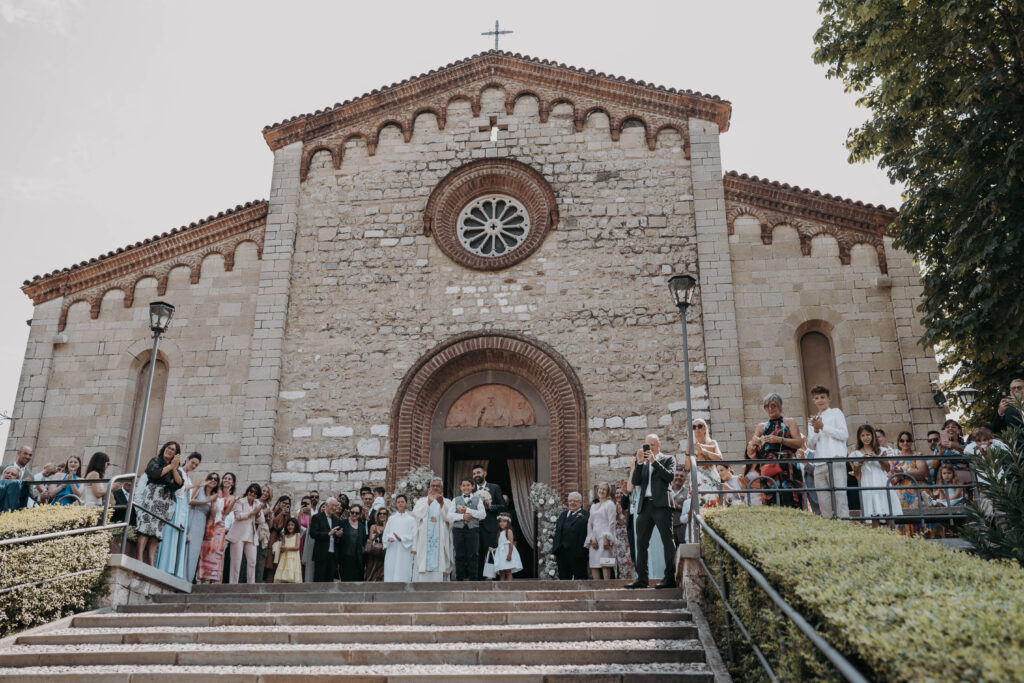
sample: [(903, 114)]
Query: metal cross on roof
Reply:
[(495, 33)]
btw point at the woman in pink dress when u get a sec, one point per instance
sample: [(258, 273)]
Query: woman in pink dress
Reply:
[(601, 533), (211, 554)]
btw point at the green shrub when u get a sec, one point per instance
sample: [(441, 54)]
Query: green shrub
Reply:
[(31, 605), (901, 609), (995, 520)]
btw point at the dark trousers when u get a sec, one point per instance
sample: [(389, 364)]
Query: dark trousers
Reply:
[(467, 553), (487, 540), (571, 567), (648, 518), (323, 570)]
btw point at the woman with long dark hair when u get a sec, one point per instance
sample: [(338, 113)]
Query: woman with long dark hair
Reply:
[(68, 493), (198, 515), (163, 482), (97, 469), (211, 554)]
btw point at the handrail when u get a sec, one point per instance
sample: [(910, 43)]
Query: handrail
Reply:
[(843, 665)]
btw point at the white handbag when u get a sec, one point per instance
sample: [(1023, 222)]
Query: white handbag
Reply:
[(489, 571)]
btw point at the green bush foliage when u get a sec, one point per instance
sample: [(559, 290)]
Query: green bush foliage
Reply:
[(995, 520), (31, 605), (901, 609)]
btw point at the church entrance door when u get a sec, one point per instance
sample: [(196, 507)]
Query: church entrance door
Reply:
[(512, 465)]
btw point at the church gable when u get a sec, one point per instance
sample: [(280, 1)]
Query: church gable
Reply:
[(624, 102), (155, 257)]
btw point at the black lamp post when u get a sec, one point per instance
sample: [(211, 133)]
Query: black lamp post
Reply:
[(967, 396), (160, 314), (682, 288)]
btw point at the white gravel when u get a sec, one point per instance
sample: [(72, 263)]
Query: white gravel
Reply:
[(342, 628), (425, 670), (616, 645)]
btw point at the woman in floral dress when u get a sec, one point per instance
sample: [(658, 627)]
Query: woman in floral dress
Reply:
[(623, 563)]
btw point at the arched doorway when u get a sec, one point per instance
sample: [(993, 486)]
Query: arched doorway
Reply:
[(532, 369)]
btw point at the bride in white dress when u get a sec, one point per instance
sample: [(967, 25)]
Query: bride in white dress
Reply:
[(399, 534)]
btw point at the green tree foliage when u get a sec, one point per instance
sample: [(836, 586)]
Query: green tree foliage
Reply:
[(944, 81)]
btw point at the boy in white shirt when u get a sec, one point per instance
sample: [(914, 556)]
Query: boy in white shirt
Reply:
[(827, 435)]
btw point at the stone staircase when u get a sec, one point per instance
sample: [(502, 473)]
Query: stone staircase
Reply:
[(538, 631)]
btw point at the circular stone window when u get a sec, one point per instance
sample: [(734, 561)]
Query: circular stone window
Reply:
[(493, 225), (490, 214)]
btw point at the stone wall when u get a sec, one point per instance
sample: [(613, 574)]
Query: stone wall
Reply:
[(371, 293), (78, 386), (868, 316)]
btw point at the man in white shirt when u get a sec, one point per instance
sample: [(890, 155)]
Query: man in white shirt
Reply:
[(827, 435)]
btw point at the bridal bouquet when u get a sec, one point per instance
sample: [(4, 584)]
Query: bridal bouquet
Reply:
[(485, 496), (415, 484)]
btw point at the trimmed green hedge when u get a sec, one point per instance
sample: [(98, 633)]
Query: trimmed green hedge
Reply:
[(901, 609), (30, 606)]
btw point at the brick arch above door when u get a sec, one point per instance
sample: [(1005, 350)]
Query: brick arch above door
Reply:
[(453, 360)]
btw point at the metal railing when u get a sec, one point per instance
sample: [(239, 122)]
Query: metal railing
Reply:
[(104, 526), (842, 665), (766, 490)]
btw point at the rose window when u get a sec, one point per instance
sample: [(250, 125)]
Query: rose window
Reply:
[(493, 226)]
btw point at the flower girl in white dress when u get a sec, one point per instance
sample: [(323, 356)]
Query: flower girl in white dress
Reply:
[(506, 557)]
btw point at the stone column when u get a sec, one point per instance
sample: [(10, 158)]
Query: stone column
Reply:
[(26, 418), (263, 386), (717, 299)]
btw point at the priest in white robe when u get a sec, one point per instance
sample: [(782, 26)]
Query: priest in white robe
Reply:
[(433, 544), (399, 534)]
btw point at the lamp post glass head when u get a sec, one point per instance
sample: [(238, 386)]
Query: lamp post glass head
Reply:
[(967, 396), (160, 314), (682, 288)]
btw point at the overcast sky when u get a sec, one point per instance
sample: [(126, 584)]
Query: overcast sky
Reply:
[(123, 119)]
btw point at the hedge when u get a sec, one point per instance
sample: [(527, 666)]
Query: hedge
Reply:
[(27, 563), (901, 609)]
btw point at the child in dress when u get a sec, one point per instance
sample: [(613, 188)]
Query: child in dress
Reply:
[(506, 557), (289, 567)]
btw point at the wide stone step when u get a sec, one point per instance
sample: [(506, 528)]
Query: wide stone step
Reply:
[(357, 607), (484, 655), (614, 673), (199, 620), (302, 635), (407, 596)]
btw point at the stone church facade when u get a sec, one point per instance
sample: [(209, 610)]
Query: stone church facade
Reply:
[(474, 257)]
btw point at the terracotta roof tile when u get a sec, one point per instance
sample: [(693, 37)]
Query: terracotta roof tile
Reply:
[(148, 240), (500, 53), (811, 193)]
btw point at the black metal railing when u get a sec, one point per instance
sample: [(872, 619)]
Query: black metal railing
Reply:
[(104, 525), (845, 668)]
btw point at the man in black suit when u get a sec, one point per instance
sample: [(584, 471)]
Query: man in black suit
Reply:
[(489, 524), (325, 530), (652, 477), (1008, 414), (570, 533)]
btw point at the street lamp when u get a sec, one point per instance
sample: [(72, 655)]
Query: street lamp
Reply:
[(682, 288), (967, 396), (160, 314)]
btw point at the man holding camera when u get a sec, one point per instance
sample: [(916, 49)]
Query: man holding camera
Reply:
[(652, 476), (1009, 414)]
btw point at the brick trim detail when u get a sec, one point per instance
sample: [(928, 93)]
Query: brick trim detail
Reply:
[(489, 176), (154, 257), (398, 104), (472, 352)]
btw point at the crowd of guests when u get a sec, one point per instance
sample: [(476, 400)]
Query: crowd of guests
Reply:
[(470, 537)]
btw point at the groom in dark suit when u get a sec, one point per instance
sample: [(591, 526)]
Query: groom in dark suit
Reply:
[(570, 533), (489, 524), (652, 478)]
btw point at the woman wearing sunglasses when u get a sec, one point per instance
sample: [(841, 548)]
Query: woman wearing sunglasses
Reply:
[(706, 453), (198, 513)]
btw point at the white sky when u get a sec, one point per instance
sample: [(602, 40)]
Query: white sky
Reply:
[(126, 118)]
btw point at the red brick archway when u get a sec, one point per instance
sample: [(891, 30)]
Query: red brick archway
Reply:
[(470, 353)]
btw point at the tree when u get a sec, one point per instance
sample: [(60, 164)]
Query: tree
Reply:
[(944, 81)]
